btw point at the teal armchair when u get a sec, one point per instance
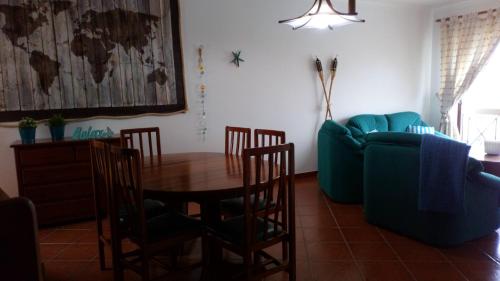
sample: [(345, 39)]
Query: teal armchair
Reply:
[(391, 192), (340, 151)]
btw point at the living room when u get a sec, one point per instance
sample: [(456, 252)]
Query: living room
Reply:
[(240, 63)]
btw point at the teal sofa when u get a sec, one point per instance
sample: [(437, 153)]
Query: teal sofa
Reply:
[(340, 151), (391, 192)]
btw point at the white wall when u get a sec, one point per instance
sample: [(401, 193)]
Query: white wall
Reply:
[(380, 71), (444, 11)]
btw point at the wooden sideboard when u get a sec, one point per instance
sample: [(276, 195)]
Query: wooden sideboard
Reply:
[(57, 177)]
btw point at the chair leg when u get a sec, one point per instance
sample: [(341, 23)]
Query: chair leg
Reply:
[(292, 265), (292, 272), (247, 264), (284, 245), (102, 258), (175, 253), (145, 268), (118, 274), (116, 252), (205, 254)]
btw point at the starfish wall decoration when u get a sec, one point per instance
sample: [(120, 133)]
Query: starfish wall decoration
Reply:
[(237, 58)]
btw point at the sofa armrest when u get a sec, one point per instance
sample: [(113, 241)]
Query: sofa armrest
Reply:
[(439, 134), (352, 143), (20, 250), (333, 129), (488, 180)]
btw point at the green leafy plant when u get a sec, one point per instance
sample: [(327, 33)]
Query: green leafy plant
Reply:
[(27, 122), (56, 120)]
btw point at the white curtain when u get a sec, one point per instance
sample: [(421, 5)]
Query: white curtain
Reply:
[(467, 43)]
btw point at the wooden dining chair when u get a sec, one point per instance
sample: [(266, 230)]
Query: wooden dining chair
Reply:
[(152, 236), (145, 139), (237, 139), (259, 228), (100, 177), (263, 137), (99, 157)]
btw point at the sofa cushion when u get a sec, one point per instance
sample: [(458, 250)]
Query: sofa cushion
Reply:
[(421, 130), (398, 122), (363, 124)]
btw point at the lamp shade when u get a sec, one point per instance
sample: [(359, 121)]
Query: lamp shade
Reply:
[(324, 15)]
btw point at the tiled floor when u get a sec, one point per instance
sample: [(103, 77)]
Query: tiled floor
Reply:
[(333, 243)]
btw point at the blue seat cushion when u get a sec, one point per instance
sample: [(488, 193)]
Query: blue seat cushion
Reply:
[(235, 206), (170, 224), (152, 208), (233, 229)]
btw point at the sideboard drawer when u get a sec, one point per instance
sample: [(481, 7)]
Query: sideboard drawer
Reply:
[(57, 177), (57, 212), (56, 174), (59, 191), (82, 153), (47, 156)]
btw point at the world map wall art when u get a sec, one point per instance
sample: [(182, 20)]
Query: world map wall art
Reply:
[(85, 58)]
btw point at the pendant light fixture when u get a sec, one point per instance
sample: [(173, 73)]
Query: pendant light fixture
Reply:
[(324, 15)]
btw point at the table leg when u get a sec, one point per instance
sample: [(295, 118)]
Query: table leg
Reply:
[(212, 253)]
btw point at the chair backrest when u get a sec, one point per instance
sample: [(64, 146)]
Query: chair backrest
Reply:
[(99, 157), (131, 138), (237, 139), (276, 192), (126, 186), (264, 137)]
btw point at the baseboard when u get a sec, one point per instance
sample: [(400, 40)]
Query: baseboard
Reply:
[(307, 174)]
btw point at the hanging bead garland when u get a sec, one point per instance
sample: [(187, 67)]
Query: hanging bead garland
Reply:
[(202, 91)]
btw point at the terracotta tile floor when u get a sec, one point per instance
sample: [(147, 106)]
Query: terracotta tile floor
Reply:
[(333, 243)]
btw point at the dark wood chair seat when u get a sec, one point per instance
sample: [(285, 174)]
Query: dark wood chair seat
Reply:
[(260, 227), (101, 181), (262, 137), (155, 236)]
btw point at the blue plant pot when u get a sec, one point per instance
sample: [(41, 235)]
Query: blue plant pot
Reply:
[(27, 135), (57, 133)]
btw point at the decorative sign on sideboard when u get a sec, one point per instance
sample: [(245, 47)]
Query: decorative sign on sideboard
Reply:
[(90, 133)]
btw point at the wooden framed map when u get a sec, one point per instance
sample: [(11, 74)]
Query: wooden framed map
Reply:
[(85, 58)]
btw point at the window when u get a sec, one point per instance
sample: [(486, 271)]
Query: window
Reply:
[(480, 114)]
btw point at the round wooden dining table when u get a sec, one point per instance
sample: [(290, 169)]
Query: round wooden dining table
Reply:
[(203, 177), (198, 177)]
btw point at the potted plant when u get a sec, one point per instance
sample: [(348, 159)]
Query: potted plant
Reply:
[(27, 130), (56, 126)]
